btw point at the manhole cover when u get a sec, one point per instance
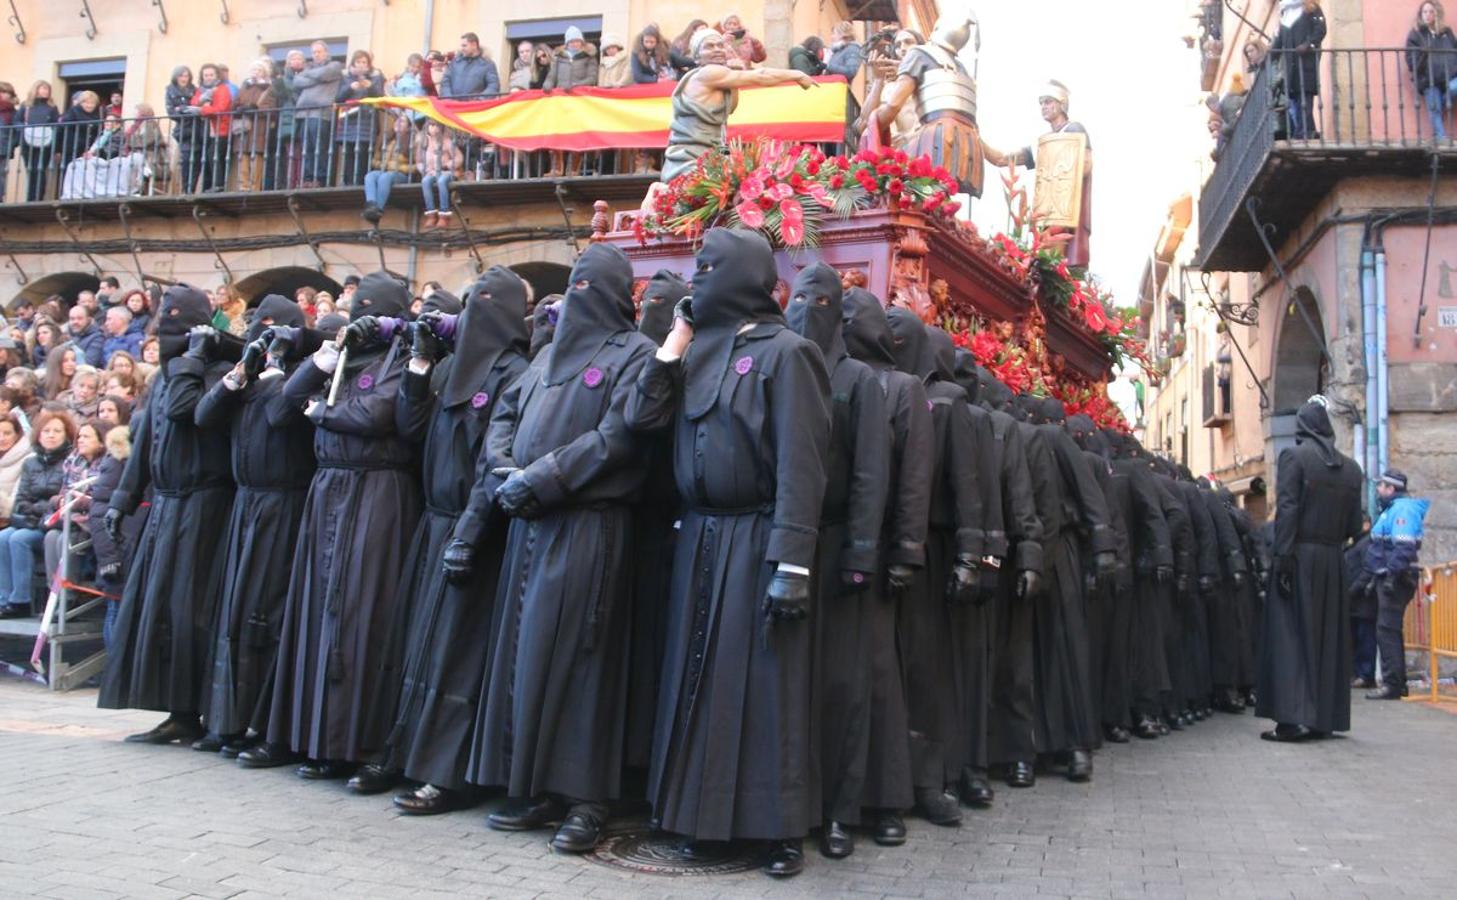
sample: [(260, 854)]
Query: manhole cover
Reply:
[(655, 853)]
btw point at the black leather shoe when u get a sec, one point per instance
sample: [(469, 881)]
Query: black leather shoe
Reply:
[(1363, 684), (835, 841), (373, 779), (579, 833), (692, 850), (267, 755), (527, 815), (937, 807), (1021, 775), (975, 789), (890, 830), (1080, 765), (1115, 734), (322, 770), (427, 800), (1385, 694), (212, 743), (173, 728), (14, 611), (1162, 726), (1146, 729), (1286, 734), (785, 860), (234, 746)]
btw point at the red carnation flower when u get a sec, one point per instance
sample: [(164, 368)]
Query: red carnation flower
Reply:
[(837, 181), (895, 186)]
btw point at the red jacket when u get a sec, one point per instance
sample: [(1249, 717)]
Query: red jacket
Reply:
[(216, 111)]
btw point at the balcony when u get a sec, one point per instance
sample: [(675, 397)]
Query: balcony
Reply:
[(1218, 398), (1367, 120)]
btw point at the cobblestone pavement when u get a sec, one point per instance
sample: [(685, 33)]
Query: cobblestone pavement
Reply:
[(1213, 812)]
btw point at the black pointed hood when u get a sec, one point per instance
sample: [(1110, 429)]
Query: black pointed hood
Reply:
[(943, 353), (662, 293), (183, 308), (380, 294), (1048, 411), (1313, 424), (733, 284), (995, 394), (442, 301), (865, 330), (816, 311), (492, 324), (274, 310), (911, 344), (591, 314), (967, 374)]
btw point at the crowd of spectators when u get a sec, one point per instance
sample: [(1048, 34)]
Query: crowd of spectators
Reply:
[(297, 124), (74, 372)]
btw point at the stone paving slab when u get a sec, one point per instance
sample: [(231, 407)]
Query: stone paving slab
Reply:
[(1210, 813)]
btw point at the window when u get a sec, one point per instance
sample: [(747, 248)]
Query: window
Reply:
[(104, 76), (552, 30)]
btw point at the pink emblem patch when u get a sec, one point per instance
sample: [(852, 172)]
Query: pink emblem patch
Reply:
[(592, 377), (930, 405), (744, 364), (480, 399), (365, 382), (858, 578)]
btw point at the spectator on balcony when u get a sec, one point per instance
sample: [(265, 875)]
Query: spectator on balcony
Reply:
[(614, 69), (315, 87), (119, 337), (472, 74), (145, 142), (1256, 52), (40, 480), (212, 103), (86, 336), (8, 137), (1431, 58), (807, 56), (188, 131), (1302, 31), (523, 68), (544, 56), (225, 79), (115, 106), (408, 84), (253, 124), (284, 150), (36, 121), (104, 169), (14, 451), (438, 160), (394, 167), (653, 60), (683, 43), (574, 64), (744, 50), (355, 133), (1226, 112), (433, 73), (79, 128)]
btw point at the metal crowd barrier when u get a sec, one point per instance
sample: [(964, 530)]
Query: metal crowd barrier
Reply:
[(1430, 626)]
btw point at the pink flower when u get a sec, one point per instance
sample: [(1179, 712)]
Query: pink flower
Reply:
[(750, 214), (780, 191), (791, 210), (792, 232), (751, 188), (786, 165), (817, 192)]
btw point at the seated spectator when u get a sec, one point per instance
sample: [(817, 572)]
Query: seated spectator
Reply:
[(151, 351), (80, 124), (437, 159), (346, 293), (40, 481), (232, 305), (14, 451), (255, 113), (682, 44), (305, 297), (119, 385), (45, 337), (60, 369), (24, 314), (124, 362), (653, 60), (394, 167), (105, 169), (83, 464), (148, 148), (26, 386), (324, 305), (81, 398), (745, 50), (140, 306), (807, 56), (357, 123), (109, 556), (119, 336), (615, 67), (114, 409), (523, 68), (82, 332)]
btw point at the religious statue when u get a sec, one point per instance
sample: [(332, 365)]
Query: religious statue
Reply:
[(1063, 194), (933, 82)]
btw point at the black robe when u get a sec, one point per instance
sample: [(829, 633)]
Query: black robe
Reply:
[(273, 462), (339, 660), (1206, 569), (161, 652), (1177, 607), (1148, 536), (731, 748), (1305, 653), (1111, 613), (450, 625), (1224, 640)]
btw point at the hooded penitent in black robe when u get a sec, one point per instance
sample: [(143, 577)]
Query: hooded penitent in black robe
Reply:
[(751, 421), (1305, 654), (552, 717), (344, 625), (657, 517), (1200, 685), (449, 406), (1177, 609), (1011, 720), (925, 629), (161, 652), (1075, 509), (543, 323), (903, 543), (273, 462), (1246, 596), (847, 561), (1224, 606)]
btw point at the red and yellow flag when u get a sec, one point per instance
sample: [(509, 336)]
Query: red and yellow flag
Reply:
[(635, 116)]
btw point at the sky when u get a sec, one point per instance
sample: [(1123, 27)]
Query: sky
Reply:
[(1131, 79)]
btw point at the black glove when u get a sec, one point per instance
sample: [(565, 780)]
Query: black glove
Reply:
[(898, 579), (683, 309), (963, 587), (853, 581), (458, 560), (1029, 583), (201, 341), (788, 597), (281, 340), (517, 498), (1206, 584), (1105, 570), (362, 332), (254, 357), (112, 523), (1163, 574), (424, 344)]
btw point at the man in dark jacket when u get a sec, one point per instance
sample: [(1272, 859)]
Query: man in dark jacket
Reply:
[(1304, 674), (89, 340), (471, 75), (1363, 610), (314, 88)]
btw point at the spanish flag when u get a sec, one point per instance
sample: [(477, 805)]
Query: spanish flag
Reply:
[(635, 116)]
